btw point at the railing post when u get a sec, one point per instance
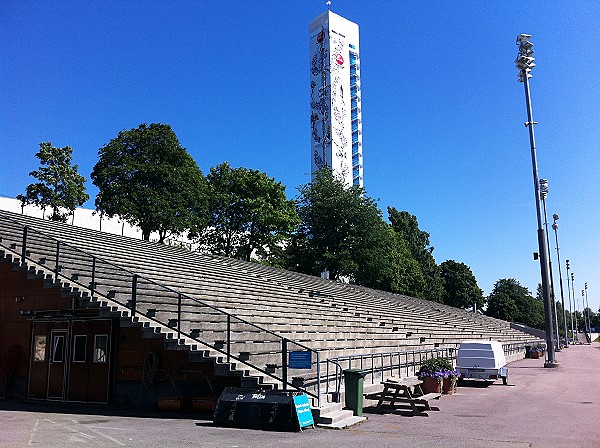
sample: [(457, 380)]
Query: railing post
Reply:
[(93, 285), (57, 261), (24, 246), (319, 379), (134, 294), (228, 337), (284, 367), (179, 315)]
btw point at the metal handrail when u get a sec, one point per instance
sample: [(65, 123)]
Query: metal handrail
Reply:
[(383, 367), (423, 354), (26, 229)]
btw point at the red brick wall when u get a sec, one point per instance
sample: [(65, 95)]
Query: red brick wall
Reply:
[(17, 294)]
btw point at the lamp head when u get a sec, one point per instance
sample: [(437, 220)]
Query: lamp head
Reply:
[(523, 38), (555, 216)]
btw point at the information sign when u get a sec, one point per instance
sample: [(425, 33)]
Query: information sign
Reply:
[(300, 360), (305, 417)]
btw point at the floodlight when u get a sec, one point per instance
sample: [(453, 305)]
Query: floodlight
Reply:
[(523, 38), (527, 46)]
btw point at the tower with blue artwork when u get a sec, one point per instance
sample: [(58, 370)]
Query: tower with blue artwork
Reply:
[(335, 117)]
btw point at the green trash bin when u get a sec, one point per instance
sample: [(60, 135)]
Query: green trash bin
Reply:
[(354, 380)]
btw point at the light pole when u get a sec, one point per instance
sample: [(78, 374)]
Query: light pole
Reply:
[(583, 310), (525, 62), (588, 309), (562, 294), (544, 194), (570, 308), (575, 305)]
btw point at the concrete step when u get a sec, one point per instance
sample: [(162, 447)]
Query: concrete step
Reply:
[(345, 423)]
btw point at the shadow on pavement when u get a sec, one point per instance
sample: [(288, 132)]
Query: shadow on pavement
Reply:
[(97, 410)]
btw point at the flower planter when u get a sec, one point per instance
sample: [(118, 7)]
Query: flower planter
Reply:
[(534, 355), (170, 403), (448, 386), (205, 405), (431, 385), (298, 382)]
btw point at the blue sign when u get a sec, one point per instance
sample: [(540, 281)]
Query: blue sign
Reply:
[(300, 360), (303, 411)]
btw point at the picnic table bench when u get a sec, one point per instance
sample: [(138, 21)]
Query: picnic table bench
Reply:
[(405, 390)]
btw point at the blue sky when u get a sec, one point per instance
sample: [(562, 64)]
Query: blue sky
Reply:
[(443, 114)]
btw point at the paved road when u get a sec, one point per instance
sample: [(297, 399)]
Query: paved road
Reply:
[(540, 408)]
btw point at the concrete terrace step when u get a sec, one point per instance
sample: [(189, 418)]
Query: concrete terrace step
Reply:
[(326, 315)]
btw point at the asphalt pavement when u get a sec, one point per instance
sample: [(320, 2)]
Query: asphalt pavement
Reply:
[(540, 407)]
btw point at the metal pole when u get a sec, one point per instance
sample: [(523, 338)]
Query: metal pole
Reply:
[(540, 232), (562, 295), (585, 322), (570, 304), (588, 309), (552, 295), (575, 306), (134, 294), (24, 247), (284, 366)]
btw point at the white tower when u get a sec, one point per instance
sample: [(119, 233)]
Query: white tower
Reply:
[(335, 119)]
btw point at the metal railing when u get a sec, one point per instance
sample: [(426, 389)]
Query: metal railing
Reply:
[(382, 364), (408, 362), (115, 285)]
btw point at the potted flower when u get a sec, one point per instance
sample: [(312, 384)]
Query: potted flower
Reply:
[(450, 378), (430, 374), (536, 352), (298, 382)]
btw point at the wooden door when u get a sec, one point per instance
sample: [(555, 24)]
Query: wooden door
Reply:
[(38, 364), (89, 363)]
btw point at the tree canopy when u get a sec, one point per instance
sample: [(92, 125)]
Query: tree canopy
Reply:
[(511, 301), (147, 178), (247, 212), (407, 226), (342, 232), (60, 186), (460, 286)]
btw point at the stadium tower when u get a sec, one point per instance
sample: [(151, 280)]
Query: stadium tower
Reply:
[(335, 119)]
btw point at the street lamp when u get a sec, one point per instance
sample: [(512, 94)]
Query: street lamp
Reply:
[(525, 62), (588, 309), (586, 314), (544, 194), (575, 305), (562, 295), (585, 323), (570, 308)]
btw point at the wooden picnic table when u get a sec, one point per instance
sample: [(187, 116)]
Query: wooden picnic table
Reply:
[(405, 390)]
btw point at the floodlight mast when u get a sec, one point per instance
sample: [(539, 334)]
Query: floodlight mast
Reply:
[(588, 310), (525, 62), (562, 294), (544, 193)]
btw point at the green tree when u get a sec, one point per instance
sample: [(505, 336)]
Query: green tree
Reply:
[(529, 310), (460, 286), (60, 186), (248, 213), (147, 178), (407, 226), (342, 231), (502, 306)]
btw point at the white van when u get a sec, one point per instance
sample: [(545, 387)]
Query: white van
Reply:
[(482, 360)]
